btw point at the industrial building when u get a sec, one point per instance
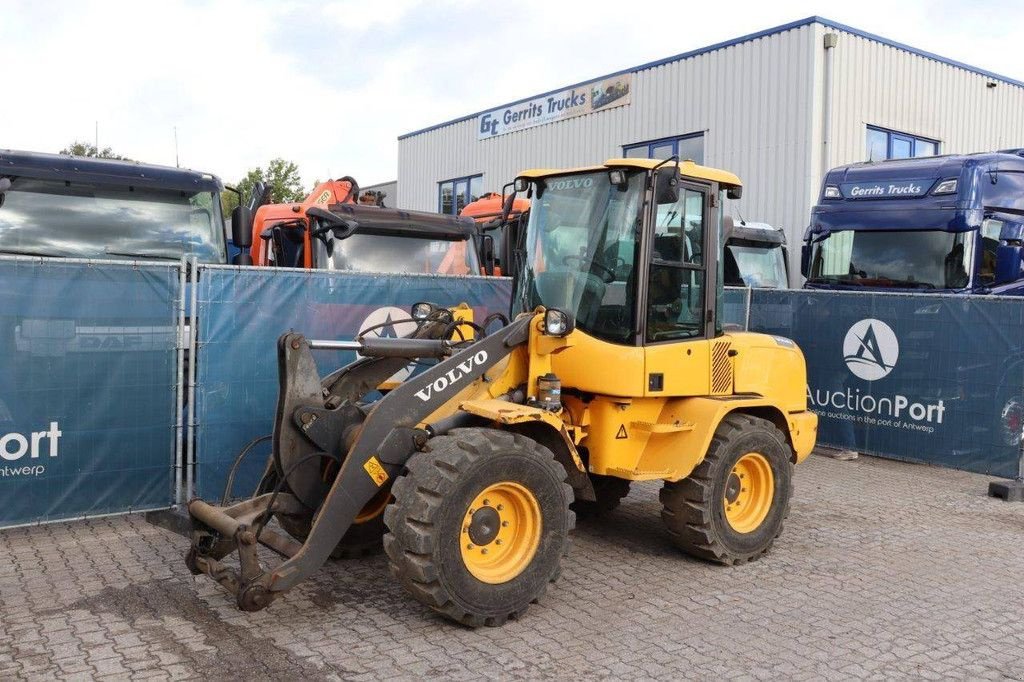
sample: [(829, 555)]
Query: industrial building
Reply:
[(778, 108)]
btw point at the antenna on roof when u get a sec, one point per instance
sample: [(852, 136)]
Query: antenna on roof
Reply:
[(176, 164)]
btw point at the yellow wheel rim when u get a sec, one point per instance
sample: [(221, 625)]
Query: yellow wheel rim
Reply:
[(375, 507), (500, 532), (749, 492)]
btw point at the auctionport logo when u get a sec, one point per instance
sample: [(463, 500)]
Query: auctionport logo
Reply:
[(16, 448), (871, 349)]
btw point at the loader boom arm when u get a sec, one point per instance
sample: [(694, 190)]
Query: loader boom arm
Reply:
[(385, 441)]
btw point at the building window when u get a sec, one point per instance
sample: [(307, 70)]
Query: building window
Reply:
[(889, 144), (453, 195), (684, 146)]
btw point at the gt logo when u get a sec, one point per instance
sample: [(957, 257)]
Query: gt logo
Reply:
[(441, 384)]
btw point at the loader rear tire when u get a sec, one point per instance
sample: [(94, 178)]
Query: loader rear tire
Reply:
[(609, 491), (363, 538), (479, 524), (732, 507)]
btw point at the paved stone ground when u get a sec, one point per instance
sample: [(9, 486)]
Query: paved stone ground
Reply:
[(884, 570)]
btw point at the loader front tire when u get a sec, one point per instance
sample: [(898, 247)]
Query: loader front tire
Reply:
[(732, 506), (479, 524)]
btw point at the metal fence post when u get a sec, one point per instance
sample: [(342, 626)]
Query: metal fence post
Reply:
[(193, 357), (179, 385), (746, 318)]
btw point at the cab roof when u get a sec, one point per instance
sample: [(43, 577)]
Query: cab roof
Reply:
[(59, 167), (686, 168)]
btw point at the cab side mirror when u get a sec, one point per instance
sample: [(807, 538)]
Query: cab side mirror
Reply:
[(1008, 263), (805, 260), (734, 193), (666, 185), (241, 234), (487, 253)]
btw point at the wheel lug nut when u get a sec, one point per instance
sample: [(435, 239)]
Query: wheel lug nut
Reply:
[(465, 529), (483, 551), (498, 541), (487, 503), (470, 546), (500, 507), (504, 524)]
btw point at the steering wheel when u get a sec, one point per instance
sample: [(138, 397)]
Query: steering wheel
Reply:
[(607, 274)]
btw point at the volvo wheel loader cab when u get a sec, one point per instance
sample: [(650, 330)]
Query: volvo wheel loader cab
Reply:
[(613, 369)]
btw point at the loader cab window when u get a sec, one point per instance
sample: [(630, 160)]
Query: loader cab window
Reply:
[(579, 249), (675, 287)]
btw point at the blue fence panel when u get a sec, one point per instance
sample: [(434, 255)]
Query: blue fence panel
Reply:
[(926, 378), (242, 312), (87, 388), (734, 306)]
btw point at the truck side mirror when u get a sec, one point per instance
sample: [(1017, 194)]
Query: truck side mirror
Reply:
[(241, 227), (734, 193), (241, 234), (487, 253), (666, 186), (1008, 263), (805, 260)]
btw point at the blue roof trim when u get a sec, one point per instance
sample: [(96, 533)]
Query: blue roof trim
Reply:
[(729, 43)]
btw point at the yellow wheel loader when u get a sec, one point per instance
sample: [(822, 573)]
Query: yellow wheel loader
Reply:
[(614, 368)]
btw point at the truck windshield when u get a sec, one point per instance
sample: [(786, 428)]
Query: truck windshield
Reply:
[(755, 266), (54, 218), (579, 251), (367, 252), (921, 259)]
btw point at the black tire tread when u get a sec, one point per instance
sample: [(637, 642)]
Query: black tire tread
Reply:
[(417, 497), (687, 504), (609, 491)]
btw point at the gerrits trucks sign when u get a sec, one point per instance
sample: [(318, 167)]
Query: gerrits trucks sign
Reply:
[(577, 101), (885, 190)]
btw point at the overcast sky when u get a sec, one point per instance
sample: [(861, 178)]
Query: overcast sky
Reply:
[(330, 85)]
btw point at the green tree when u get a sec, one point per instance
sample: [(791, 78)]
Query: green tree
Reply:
[(283, 178), (78, 148)]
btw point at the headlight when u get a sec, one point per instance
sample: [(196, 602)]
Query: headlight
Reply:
[(558, 323), (832, 192), (422, 310), (945, 187)]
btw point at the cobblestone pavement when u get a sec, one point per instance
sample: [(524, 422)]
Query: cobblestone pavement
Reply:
[(884, 570)]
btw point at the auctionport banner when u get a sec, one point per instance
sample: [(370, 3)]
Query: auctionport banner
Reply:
[(87, 388), (937, 379), (242, 312), (582, 99)]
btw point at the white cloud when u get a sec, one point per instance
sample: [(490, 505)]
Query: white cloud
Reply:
[(331, 86)]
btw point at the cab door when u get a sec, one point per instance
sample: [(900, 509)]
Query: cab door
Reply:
[(676, 311)]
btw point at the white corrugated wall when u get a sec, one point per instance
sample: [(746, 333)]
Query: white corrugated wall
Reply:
[(880, 85), (752, 101), (759, 104)]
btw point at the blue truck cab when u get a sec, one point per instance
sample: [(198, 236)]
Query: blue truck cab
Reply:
[(78, 207), (944, 223)]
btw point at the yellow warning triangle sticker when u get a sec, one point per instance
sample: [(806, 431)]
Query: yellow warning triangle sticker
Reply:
[(622, 433)]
